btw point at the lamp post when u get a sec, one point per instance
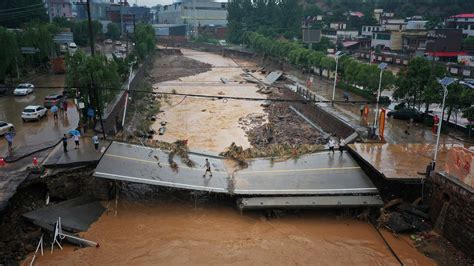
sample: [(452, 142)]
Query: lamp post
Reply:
[(382, 67), (337, 55), (445, 82)]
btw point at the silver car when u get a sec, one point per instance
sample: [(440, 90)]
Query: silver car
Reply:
[(23, 89), (5, 127)]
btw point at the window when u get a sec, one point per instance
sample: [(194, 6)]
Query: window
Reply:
[(223, 5), (383, 37)]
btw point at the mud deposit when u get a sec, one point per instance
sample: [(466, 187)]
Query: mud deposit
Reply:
[(174, 232)]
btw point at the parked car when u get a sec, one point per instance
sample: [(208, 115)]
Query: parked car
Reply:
[(23, 89), (52, 100), (33, 112), (118, 54), (5, 127), (108, 41), (406, 114), (3, 89), (118, 43)]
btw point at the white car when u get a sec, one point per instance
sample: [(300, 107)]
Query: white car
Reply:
[(23, 89), (33, 112), (118, 55), (5, 127), (108, 41), (118, 43)]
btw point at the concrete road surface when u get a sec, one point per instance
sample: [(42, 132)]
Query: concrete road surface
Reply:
[(313, 174)]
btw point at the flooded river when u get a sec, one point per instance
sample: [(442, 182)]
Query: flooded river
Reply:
[(174, 232)]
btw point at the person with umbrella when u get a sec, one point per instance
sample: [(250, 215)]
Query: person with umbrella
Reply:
[(54, 110), (75, 135)]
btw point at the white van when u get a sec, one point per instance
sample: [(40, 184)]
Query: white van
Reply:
[(72, 47)]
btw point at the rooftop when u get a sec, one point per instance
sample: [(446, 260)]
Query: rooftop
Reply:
[(466, 15)]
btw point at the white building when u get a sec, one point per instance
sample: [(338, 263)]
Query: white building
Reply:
[(368, 30), (194, 12), (462, 21)]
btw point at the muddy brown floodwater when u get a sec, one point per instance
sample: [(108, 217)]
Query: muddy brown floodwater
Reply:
[(176, 233)]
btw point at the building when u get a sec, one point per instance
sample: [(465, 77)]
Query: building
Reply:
[(368, 30), (445, 45), (393, 24), (194, 12), (59, 8), (465, 22), (387, 40), (338, 25)]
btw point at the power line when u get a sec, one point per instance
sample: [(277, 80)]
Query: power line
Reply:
[(212, 97), (23, 7), (26, 14)]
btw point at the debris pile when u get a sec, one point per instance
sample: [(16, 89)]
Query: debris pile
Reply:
[(180, 148), (283, 127), (401, 217), (282, 151)]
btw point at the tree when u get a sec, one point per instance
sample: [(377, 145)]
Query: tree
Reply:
[(145, 40), (40, 37), (82, 70), (113, 31), (14, 14), (418, 83), (81, 32), (9, 54)]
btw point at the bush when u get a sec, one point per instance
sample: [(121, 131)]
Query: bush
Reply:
[(366, 94)]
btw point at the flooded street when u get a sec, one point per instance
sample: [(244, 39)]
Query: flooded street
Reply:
[(36, 132), (175, 233)]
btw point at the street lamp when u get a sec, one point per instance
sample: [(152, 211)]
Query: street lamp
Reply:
[(382, 67), (337, 55), (445, 82)]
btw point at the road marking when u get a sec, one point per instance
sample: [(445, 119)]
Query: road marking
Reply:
[(157, 182), (156, 162), (305, 190), (299, 170)]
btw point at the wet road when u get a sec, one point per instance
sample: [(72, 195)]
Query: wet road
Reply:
[(312, 174), (36, 132), (394, 128)]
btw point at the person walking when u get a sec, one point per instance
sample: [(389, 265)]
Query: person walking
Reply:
[(208, 168), (9, 137), (331, 144), (95, 140), (342, 143), (64, 140), (76, 140), (361, 109), (54, 110), (64, 104)]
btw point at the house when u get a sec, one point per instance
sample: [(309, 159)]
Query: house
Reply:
[(465, 22), (338, 25), (391, 40), (59, 8), (445, 45), (393, 24), (368, 30), (194, 12)]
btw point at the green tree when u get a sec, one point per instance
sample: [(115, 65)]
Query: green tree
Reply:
[(81, 32), (40, 37), (145, 40), (9, 53), (87, 72), (113, 31)]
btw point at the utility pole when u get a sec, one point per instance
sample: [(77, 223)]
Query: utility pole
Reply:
[(49, 12), (96, 96)]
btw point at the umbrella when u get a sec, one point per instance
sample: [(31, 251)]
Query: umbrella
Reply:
[(54, 109), (74, 132)]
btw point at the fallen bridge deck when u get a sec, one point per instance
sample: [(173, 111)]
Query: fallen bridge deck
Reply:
[(318, 174)]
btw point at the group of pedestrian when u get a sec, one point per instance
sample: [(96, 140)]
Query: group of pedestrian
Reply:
[(332, 143), (62, 109), (76, 138)]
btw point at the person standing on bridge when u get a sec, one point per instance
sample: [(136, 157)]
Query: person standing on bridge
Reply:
[(331, 144), (95, 140), (208, 168), (342, 143)]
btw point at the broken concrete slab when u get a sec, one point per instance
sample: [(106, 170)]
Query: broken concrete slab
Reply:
[(272, 77), (77, 214)]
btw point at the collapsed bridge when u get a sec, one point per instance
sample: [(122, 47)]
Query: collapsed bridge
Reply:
[(309, 181)]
